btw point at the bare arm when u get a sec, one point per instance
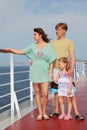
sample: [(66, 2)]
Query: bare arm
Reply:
[(70, 85), (51, 70), (72, 60), (15, 51), (57, 78)]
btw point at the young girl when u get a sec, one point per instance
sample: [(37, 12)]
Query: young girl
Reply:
[(64, 88)]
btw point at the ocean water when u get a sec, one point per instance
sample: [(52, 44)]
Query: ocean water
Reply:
[(6, 89)]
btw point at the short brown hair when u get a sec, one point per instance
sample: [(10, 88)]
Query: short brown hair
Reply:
[(62, 25)]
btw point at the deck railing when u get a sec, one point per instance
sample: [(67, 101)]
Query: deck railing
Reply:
[(79, 72)]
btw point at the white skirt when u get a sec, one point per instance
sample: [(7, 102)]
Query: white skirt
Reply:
[(63, 92)]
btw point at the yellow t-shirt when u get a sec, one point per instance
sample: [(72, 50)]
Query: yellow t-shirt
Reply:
[(62, 48)]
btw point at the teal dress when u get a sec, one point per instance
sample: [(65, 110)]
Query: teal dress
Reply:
[(39, 70)]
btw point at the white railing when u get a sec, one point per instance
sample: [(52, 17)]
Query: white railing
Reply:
[(80, 72), (80, 69), (14, 101)]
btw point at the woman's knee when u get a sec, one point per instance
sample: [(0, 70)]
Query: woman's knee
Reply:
[(37, 89), (45, 95)]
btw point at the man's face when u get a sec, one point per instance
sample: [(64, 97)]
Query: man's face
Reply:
[(60, 32)]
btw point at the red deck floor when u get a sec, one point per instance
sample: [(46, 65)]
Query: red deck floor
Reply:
[(29, 122)]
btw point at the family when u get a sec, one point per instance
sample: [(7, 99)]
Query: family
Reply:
[(52, 61)]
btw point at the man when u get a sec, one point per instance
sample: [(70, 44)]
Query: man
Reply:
[(64, 47)]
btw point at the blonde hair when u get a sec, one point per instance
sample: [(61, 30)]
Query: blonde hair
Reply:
[(66, 61)]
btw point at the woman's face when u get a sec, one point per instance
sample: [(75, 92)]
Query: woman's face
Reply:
[(37, 36)]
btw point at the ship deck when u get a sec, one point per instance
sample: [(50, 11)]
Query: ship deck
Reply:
[(29, 121)]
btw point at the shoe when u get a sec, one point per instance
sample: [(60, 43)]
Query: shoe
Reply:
[(46, 117), (61, 116), (68, 117), (79, 117), (39, 117), (53, 115)]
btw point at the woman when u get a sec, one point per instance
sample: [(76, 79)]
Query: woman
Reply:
[(42, 54)]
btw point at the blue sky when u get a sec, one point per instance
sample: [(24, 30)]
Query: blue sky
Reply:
[(19, 17)]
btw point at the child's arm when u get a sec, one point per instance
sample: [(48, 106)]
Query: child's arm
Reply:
[(70, 85), (57, 78)]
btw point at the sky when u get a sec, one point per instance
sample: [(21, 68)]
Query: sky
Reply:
[(18, 18)]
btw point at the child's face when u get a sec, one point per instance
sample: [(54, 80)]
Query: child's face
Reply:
[(61, 65)]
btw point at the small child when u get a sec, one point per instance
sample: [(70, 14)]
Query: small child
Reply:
[(64, 87)]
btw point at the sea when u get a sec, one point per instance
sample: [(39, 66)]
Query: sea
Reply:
[(17, 86)]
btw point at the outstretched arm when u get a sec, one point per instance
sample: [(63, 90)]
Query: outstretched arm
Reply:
[(15, 51)]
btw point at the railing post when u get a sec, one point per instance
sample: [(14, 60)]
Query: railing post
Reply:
[(74, 76), (12, 86), (13, 95), (83, 69), (31, 92)]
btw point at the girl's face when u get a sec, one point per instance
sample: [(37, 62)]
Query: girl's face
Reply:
[(61, 65), (37, 36)]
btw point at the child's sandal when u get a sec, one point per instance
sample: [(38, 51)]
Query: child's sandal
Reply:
[(68, 117), (62, 116)]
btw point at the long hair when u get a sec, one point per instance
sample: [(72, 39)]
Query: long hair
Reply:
[(41, 32), (66, 61)]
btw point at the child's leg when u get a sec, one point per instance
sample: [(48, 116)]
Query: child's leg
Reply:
[(69, 102), (61, 101), (62, 108)]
